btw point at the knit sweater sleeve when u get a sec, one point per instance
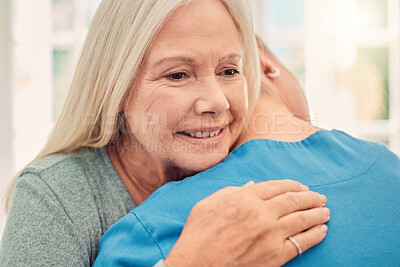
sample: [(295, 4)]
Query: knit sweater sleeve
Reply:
[(39, 231)]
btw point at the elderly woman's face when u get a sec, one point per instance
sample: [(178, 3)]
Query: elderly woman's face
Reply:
[(190, 101)]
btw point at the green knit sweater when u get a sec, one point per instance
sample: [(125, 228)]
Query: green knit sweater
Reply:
[(61, 207)]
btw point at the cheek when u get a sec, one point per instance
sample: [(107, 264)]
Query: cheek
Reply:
[(160, 109), (238, 99), (172, 108)]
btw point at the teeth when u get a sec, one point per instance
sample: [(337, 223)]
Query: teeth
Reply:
[(204, 134)]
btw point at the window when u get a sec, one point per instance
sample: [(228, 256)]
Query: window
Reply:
[(70, 20), (346, 54)]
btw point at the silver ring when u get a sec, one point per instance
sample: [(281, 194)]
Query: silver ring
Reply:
[(275, 74), (299, 251)]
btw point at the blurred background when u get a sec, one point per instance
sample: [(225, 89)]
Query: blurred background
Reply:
[(345, 53)]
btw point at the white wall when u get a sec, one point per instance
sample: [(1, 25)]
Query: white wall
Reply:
[(6, 132), (33, 105)]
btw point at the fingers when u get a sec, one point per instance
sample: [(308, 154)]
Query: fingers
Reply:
[(290, 202), (306, 240), (302, 220), (270, 189)]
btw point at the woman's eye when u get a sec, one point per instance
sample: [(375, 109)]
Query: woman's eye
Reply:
[(230, 72), (176, 76)]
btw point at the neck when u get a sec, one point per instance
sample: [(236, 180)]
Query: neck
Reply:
[(140, 172), (272, 120)]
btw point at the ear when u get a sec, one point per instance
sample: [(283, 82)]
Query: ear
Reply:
[(267, 65)]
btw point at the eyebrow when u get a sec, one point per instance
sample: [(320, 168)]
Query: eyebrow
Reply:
[(236, 57), (230, 57)]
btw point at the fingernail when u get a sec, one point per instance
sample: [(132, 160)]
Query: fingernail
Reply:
[(304, 187), (324, 228), (326, 211), (248, 184), (323, 198)]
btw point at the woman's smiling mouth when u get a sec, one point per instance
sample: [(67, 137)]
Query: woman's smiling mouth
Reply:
[(198, 134), (201, 134)]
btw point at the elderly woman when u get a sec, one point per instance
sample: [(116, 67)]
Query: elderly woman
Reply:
[(161, 91)]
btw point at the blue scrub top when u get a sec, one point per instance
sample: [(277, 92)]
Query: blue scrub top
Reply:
[(360, 179)]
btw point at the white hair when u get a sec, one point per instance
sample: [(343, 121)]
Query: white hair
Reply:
[(118, 39)]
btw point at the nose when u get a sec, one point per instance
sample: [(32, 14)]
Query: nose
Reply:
[(212, 99)]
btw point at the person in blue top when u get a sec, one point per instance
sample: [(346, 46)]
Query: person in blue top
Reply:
[(361, 180)]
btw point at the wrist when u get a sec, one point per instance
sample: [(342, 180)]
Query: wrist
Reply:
[(171, 262), (178, 260)]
